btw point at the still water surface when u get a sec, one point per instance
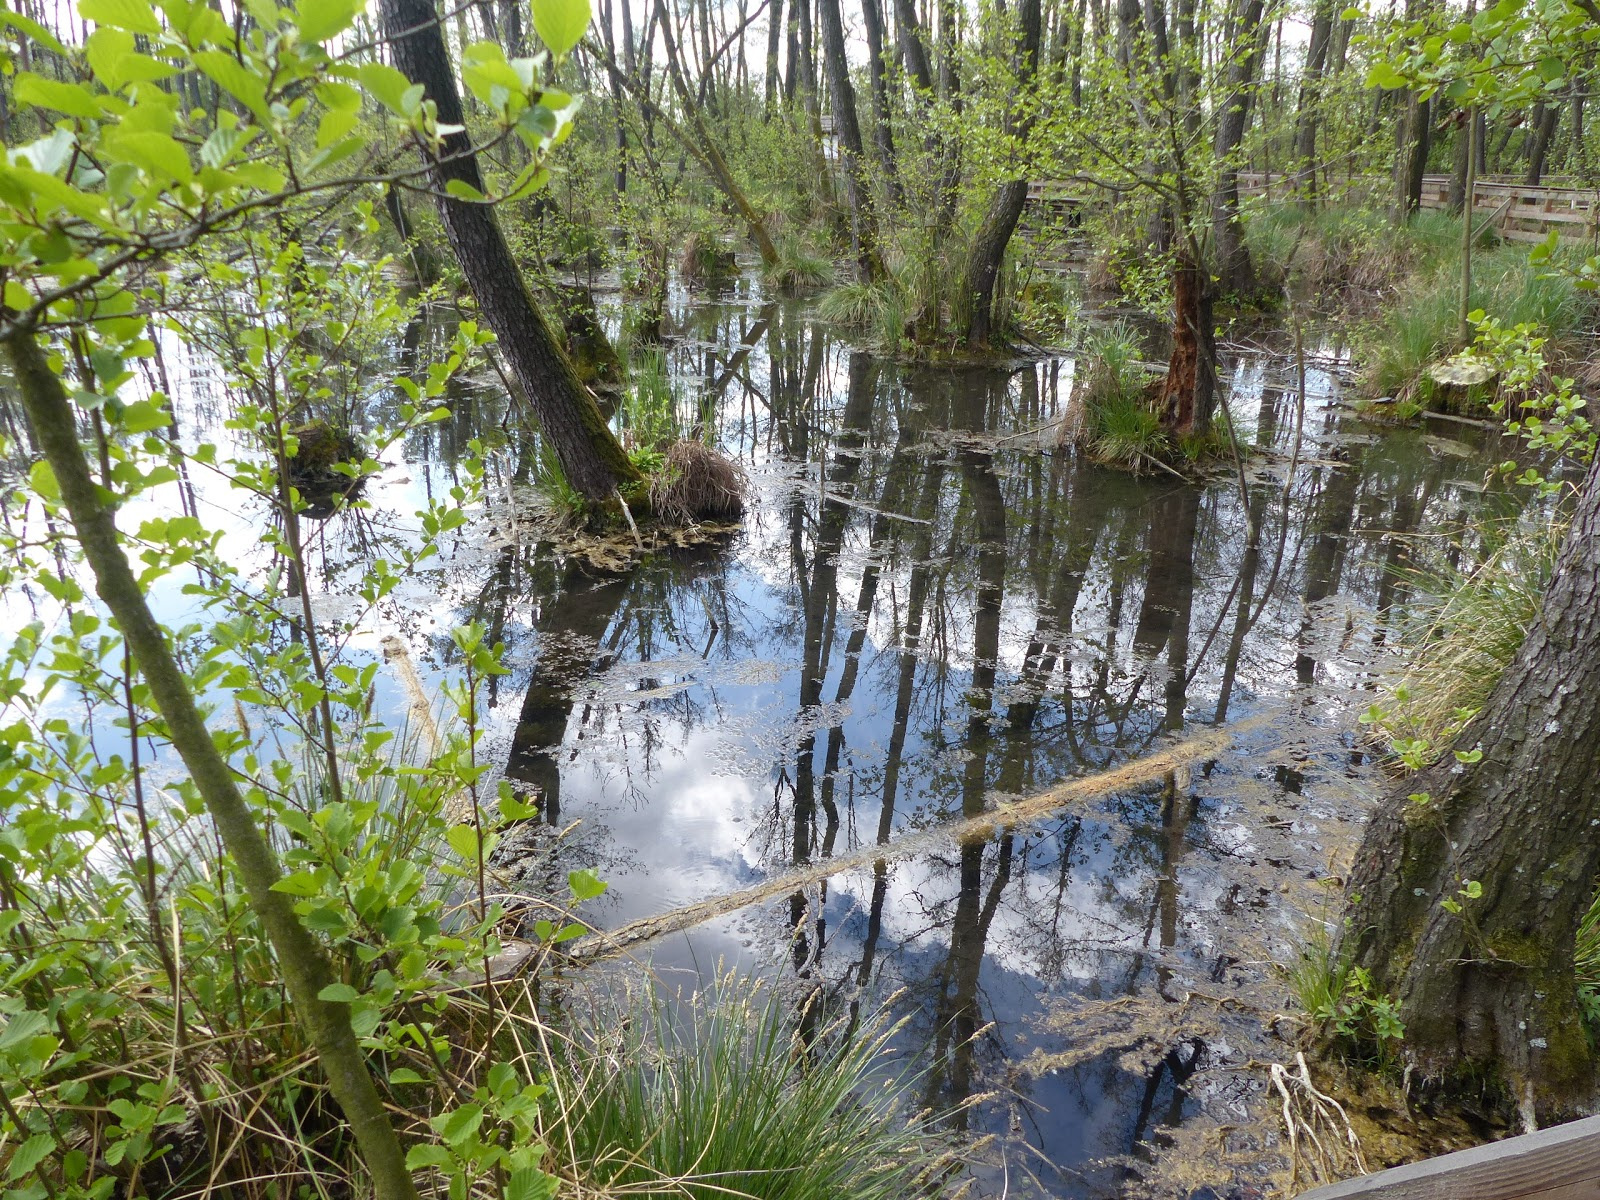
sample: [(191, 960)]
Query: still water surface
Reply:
[(929, 609)]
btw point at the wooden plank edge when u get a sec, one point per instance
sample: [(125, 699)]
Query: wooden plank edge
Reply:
[(1552, 1161)]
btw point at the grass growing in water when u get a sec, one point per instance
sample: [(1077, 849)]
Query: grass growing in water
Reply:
[(724, 1098)]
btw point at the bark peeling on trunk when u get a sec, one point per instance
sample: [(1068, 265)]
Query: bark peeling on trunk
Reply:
[(1489, 993), (1187, 398)]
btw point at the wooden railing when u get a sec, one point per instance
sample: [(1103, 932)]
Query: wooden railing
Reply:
[(1560, 1163), (1519, 213)]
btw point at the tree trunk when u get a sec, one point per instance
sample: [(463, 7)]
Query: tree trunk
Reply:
[(1187, 397), (847, 129), (1544, 127), (1005, 208), (774, 46), (1488, 993), (1307, 114), (304, 963), (1235, 272), (882, 133), (912, 45), (989, 251), (593, 461), (423, 263), (1412, 156)]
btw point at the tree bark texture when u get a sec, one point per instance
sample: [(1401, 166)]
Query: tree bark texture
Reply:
[(305, 964), (1544, 128), (988, 251), (1308, 114), (847, 128), (1187, 398), (882, 132), (592, 459), (1235, 272), (1489, 992)]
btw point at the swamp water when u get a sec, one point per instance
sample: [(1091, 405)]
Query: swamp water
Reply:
[(930, 612)]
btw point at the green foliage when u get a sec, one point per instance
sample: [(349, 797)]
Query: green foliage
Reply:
[(1342, 1003), (1461, 630), (718, 1094)]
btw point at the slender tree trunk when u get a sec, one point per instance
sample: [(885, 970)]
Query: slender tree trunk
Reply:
[(1488, 993), (1308, 113), (1005, 208), (1412, 155), (913, 45), (1235, 272), (1544, 128), (304, 964), (774, 48), (882, 132), (847, 129), (423, 263), (593, 461)]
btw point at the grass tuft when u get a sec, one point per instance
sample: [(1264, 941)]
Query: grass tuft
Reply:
[(723, 1095), (696, 483)]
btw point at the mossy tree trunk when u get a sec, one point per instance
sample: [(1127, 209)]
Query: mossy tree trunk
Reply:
[(1489, 992), (590, 455)]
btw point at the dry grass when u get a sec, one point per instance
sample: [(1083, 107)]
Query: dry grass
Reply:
[(698, 483)]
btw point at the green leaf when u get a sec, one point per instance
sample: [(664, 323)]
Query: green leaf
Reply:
[(32, 29), (460, 1124), (463, 840), (585, 884), (69, 98), (462, 190), (30, 1154), (561, 23), (142, 417), (339, 993), (42, 479), (530, 1183), (320, 20), (1383, 75), (154, 153), (238, 81), (385, 85), (136, 16), (424, 1155), (23, 1027)]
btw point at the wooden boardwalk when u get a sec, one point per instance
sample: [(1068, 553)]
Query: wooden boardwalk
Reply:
[(1560, 1163), (1518, 213)]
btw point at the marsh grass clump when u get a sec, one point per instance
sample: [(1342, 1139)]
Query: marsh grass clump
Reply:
[(868, 307), (799, 268), (697, 483), (726, 1094), (1462, 634), (1424, 325)]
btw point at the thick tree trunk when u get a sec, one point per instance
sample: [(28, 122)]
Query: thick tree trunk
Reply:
[(847, 129), (1187, 398), (593, 461), (1488, 993), (988, 254)]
